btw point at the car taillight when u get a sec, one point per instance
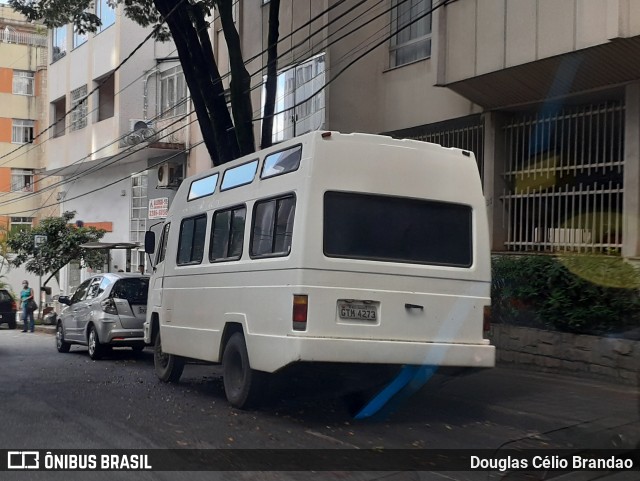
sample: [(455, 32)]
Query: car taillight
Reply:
[(300, 309), (14, 305), (109, 306), (486, 321)]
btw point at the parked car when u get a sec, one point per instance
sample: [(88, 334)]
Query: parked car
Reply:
[(8, 308), (106, 310)]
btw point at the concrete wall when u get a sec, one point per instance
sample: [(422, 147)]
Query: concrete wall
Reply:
[(611, 359), (485, 36)]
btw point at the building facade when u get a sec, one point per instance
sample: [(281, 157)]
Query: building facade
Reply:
[(23, 84), (544, 92), (116, 119)]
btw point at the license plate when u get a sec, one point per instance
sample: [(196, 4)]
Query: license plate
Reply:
[(357, 311), (142, 309)]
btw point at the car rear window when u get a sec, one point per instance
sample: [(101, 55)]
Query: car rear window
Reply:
[(397, 229), (134, 290), (5, 296)]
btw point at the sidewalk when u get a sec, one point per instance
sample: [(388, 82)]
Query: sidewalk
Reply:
[(49, 329)]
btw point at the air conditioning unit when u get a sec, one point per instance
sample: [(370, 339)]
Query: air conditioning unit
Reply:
[(140, 130), (169, 174)]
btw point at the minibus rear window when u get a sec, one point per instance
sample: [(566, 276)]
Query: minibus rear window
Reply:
[(397, 229)]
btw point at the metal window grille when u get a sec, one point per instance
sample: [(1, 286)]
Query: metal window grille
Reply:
[(23, 82), (9, 35), (79, 108), (565, 180)]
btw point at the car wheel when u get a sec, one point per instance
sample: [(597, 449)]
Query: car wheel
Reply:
[(61, 344), (168, 367), (96, 350), (12, 323), (242, 385)]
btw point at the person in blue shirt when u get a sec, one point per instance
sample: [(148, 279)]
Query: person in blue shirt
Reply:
[(26, 294)]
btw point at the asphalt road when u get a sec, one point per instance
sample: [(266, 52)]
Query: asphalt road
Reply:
[(66, 401)]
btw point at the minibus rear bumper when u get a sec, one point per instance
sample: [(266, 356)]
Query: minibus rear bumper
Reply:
[(268, 353)]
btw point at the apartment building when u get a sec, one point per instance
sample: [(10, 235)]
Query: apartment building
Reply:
[(22, 118), (117, 120), (546, 93)]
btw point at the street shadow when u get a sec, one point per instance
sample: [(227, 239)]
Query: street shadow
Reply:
[(117, 354)]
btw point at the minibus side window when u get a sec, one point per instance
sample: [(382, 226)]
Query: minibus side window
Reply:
[(227, 234), (281, 162), (191, 244), (239, 175), (273, 227), (162, 245)]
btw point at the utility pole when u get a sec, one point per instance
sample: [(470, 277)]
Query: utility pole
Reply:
[(39, 241)]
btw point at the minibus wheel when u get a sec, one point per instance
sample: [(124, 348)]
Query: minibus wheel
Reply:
[(167, 366), (242, 385)]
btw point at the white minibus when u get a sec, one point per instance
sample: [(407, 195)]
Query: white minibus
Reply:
[(327, 248)]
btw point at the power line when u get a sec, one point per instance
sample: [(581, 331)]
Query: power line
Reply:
[(34, 146), (367, 52), (125, 60), (337, 75), (324, 26)]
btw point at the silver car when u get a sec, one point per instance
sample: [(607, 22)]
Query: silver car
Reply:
[(106, 310)]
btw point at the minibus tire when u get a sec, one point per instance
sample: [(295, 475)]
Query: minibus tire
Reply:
[(242, 385), (167, 366)]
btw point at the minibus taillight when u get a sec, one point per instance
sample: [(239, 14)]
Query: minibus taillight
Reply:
[(300, 308), (486, 320)]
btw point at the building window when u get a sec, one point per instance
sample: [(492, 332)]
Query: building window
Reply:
[(58, 112), (22, 131), (106, 97), (59, 43), (79, 108), (413, 42), (139, 206), (300, 101), (22, 180), (173, 93), (106, 13), (23, 82), (20, 223), (78, 38)]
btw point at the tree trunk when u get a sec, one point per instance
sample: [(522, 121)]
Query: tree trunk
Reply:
[(240, 84), (203, 79), (271, 85)]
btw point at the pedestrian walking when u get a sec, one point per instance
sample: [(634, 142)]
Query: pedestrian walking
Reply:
[(26, 295)]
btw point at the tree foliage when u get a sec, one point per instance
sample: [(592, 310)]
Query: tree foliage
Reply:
[(63, 245), (226, 136)]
